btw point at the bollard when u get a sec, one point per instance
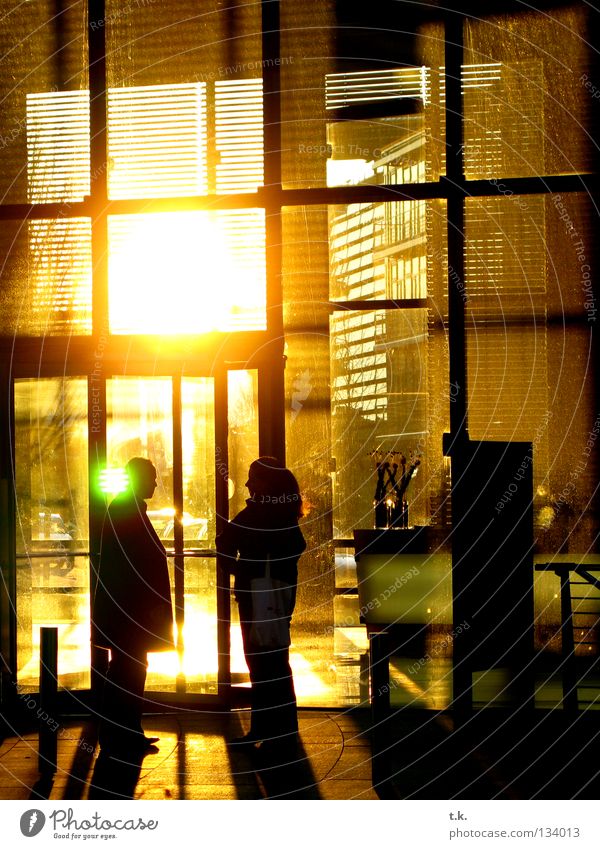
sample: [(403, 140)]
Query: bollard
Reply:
[(48, 726), (379, 657)]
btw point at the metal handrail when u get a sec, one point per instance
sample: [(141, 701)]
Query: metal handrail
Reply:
[(569, 673)]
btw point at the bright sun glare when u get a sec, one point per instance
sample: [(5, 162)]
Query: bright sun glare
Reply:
[(176, 272)]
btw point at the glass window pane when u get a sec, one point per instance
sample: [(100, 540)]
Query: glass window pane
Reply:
[(506, 286), (43, 65), (46, 280), (531, 311), (528, 110), (139, 423), (347, 120), (152, 43), (385, 250), (355, 380), (185, 80), (376, 151), (308, 449), (159, 142), (58, 146), (242, 416), (382, 401), (187, 272), (51, 489), (242, 412), (198, 453), (194, 670)]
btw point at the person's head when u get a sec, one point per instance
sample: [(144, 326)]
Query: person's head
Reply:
[(270, 483), (142, 477)]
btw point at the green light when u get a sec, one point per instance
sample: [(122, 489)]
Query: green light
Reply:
[(113, 481)]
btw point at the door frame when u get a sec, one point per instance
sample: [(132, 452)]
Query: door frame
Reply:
[(158, 700), (271, 441)]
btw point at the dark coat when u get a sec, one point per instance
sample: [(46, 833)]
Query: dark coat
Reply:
[(131, 602), (260, 529)]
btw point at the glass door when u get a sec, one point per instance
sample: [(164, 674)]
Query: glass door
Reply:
[(72, 439), (171, 421)]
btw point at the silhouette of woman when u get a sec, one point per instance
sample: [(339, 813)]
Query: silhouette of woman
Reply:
[(266, 528)]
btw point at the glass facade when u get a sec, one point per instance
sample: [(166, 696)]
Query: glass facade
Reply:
[(254, 244), (52, 539)]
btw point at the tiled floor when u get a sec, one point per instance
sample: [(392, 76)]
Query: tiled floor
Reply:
[(192, 761), (421, 754)]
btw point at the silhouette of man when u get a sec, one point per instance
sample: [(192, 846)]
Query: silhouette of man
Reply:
[(131, 609)]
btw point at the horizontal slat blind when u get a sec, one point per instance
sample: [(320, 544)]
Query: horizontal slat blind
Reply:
[(58, 146), (346, 89), (239, 135), (157, 141), (60, 276), (505, 271)]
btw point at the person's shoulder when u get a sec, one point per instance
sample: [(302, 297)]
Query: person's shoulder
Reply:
[(124, 507), (246, 518)]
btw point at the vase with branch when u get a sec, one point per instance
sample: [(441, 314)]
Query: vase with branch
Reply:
[(394, 474)]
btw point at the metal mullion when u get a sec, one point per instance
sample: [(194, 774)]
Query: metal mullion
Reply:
[(48, 357), (222, 517), (8, 587), (551, 184), (95, 207), (271, 388), (274, 197), (383, 304), (439, 190), (34, 211), (98, 166), (245, 200), (271, 92), (179, 560), (455, 180), (96, 417), (36, 355), (96, 423), (272, 167)]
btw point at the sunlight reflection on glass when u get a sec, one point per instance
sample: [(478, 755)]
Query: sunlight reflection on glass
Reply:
[(186, 272)]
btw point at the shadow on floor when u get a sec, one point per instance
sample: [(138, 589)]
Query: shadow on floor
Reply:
[(115, 778), (78, 771), (492, 755), (286, 776), (279, 775), (43, 786)]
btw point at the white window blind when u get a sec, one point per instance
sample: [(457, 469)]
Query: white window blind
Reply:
[(239, 135), (163, 141), (157, 141)]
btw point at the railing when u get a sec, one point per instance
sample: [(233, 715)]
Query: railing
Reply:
[(570, 681)]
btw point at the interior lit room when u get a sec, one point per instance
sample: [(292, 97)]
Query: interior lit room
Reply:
[(361, 239)]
